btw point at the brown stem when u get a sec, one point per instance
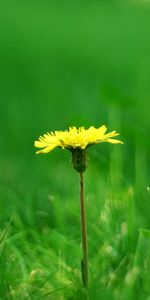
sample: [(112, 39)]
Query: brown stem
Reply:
[(84, 261)]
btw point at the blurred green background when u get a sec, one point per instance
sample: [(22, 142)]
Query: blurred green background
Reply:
[(65, 63)]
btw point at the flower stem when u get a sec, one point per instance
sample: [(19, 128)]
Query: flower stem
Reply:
[(84, 261)]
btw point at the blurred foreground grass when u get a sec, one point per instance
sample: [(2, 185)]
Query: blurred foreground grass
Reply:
[(65, 64), (40, 253)]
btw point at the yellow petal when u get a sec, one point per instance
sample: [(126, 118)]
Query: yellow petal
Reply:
[(102, 129), (113, 141), (46, 149), (38, 144)]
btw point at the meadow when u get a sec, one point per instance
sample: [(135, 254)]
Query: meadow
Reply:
[(67, 63)]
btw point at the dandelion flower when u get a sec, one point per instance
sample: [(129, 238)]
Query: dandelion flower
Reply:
[(77, 140)]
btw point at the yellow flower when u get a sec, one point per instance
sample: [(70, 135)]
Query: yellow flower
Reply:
[(75, 138)]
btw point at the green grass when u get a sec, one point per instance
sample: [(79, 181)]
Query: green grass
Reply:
[(40, 249)]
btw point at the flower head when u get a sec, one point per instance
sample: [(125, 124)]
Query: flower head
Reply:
[(73, 138), (77, 140)]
